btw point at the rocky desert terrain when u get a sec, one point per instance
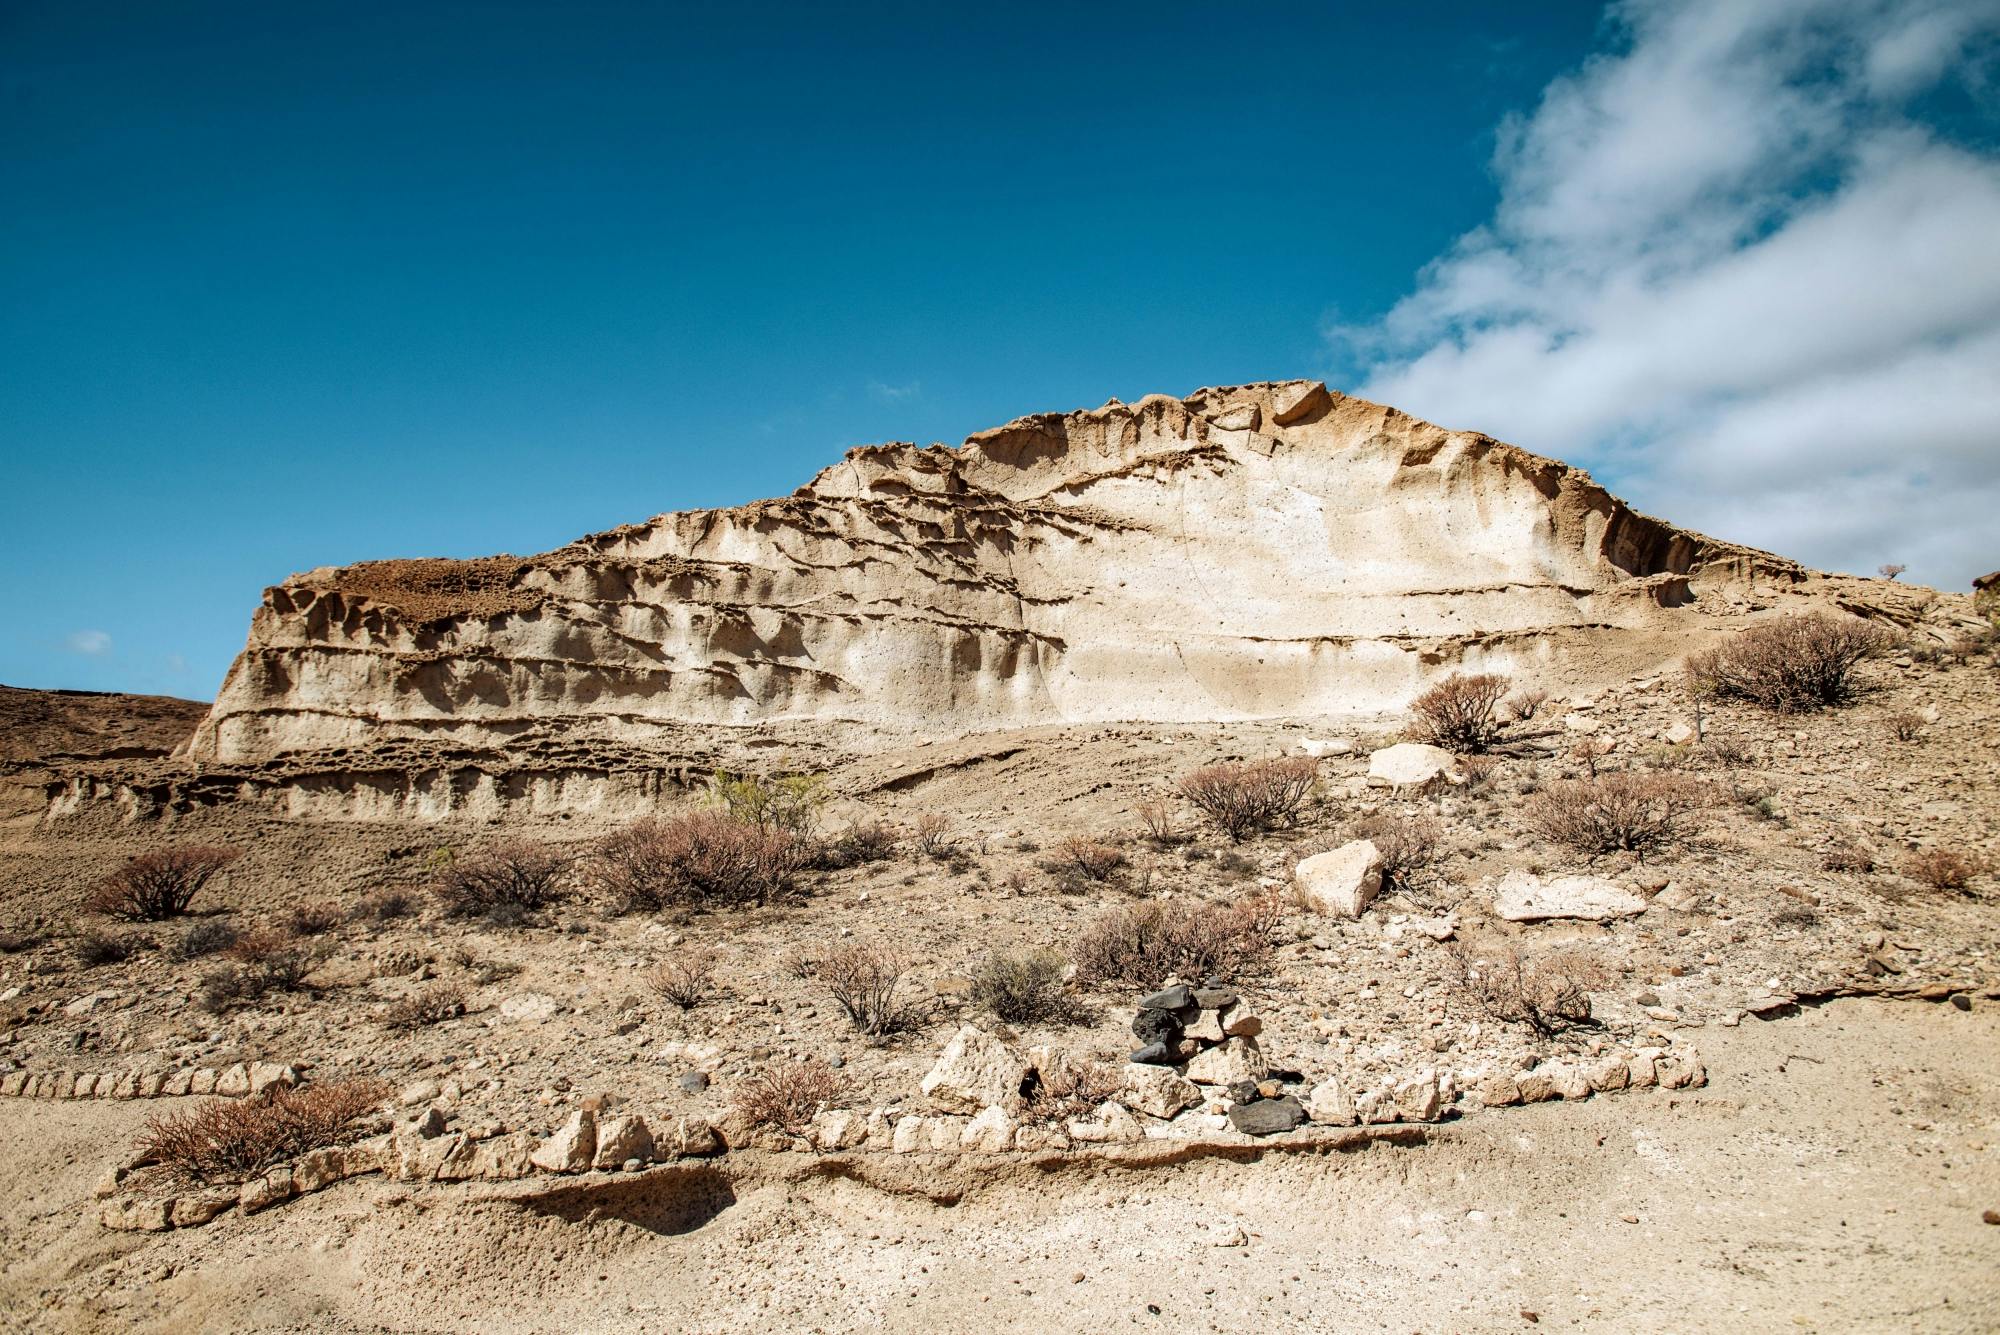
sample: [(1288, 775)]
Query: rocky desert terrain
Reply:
[(1250, 860)]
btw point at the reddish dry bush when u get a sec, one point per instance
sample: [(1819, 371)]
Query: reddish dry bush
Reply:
[(228, 1140), (1066, 1088), (505, 882), (1633, 812), (1157, 817), (683, 980), (1412, 847), (864, 981), (789, 1097), (1079, 855), (1460, 713), (160, 885), (934, 837), (1941, 868), (1847, 854), (702, 859), (1144, 943), (1549, 992), (1796, 665), (421, 1009), (1242, 798)]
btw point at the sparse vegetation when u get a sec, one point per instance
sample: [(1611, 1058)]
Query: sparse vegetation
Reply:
[(1081, 857), (865, 981), (1160, 822), (787, 1098), (1143, 943), (933, 837), (505, 883), (1906, 725), (205, 938), (1941, 868), (1244, 797), (1022, 987), (312, 920), (855, 846), (699, 860), (94, 949), (1549, 992), (1847, 854), (1460, 713), (788, 804), (424, 1007), (229, 1140), (156, 886), (1524, 705), (1795, 665), (1412, 847), (388, 906), (1067, 1089), (1625, 811), (263, 962), (683, 980)]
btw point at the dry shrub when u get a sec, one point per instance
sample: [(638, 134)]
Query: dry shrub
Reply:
[(505, 883), (1480, 772), (1847, 854), (1160, 822), (1631, 811), (1080, 855), (1460, 713), (265, 961), (788, 1097), (855, 846), (699, 860), (1941, 868), (1065, 1089), (229, 1140), (1242, 798), (1524, 705), (99, 948), (205, 938), (683, 980), (312, 920), (1412, 849), (1022, 987), (426, 1007), (387, 906), (1549, 992), (1796, 665), (934, 838), (160, 885), (864, 980), (1144, 943), (1906, 726), (13, 943)]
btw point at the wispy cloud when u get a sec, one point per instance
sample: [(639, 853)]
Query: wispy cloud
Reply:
[(885, 393), (94, 643), (1736, 269)]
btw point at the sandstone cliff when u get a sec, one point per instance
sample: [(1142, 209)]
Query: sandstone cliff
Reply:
[(1259, 551)]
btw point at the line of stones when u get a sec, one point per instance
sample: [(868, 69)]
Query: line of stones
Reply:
[(235, 1081)]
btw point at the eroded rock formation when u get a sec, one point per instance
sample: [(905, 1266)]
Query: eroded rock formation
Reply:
[(1268, 550)]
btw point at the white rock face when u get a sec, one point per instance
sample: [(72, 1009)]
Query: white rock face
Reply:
[(976, 1070), (1330, 1105), (1412, 763), (1525, 897), (572, 1147), (1355, 544), (1112, 1123), (620, 1138), (1343, 882), (990, 1132), (1237, 1059), (1157, 1091)]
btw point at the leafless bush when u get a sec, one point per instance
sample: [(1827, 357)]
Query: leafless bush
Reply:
[(1067, 1089), (1847, 854), (312, 920), (864, 981), (1589, 750), (787, 1098), (1479, 772), (1524, 705), (934, 838), (228, 1140), (1890, 571), (1633, 812), (1906, 726), (1079, 855), (1245, 797), (387, 906), (1160, 822), (13, 943), (423, 1008), (264, 961), (684, 980), (1796, 665), (1412, 847), (699, 860), (505, 883), (94, 949), (1022, 987), (1460, 713), (1144, 943), (855, 846), (160, 885), (1941, 868), (1549, 992)]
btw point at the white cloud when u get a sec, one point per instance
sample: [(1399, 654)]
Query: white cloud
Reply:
[(1732, 269), (95, 643), (894, 393)]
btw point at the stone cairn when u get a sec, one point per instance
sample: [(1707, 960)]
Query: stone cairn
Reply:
[(1209, 1036)]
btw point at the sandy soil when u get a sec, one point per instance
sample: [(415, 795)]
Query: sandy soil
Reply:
[(1831, 1178)]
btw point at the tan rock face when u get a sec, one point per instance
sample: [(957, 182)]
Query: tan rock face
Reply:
[(1258, 551)]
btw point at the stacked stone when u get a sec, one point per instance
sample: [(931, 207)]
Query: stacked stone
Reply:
[(1209, 1037)]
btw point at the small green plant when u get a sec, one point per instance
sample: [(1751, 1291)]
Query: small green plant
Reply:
[(790, 803), (1022, 987)]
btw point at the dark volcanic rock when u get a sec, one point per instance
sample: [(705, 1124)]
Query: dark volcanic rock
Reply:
[(1267, 1117), (1150, 1026), (1169, 999)]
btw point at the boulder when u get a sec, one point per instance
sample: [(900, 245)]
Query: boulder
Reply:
[(1418, 1099), (1207, 1028), (262, 1192), (1299, 400), (991, 1132), (1153, 1054), (694, 1137), (1156, 1026), (571, 1148), (194, 1211), (1413, 762), (620, 1138), (1343, 882), (1236, 1059), (975, 1071), (1267, 1117), (1175, 998), (1157, 1091), (1525, 897), (1499, 1091), (1239, 1021), (263, 1075), (1319, 749), (839, 1129), (1679, 734), (234, 1082), (1329, 1104)]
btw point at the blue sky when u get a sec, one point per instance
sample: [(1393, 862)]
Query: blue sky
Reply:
[(285, 286)]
